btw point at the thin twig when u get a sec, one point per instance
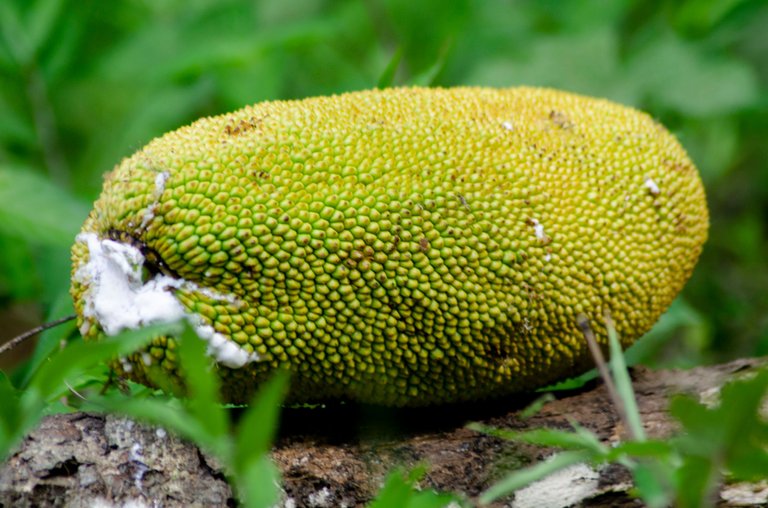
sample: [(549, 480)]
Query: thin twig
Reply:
[(602, 368), (34, 331), (71, 389)]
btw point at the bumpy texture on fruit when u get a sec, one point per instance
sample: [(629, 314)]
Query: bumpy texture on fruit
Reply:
[(407, 246)]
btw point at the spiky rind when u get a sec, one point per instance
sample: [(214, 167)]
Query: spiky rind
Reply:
[(410, 246)]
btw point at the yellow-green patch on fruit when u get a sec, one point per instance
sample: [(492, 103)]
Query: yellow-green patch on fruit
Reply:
[(406, 246)]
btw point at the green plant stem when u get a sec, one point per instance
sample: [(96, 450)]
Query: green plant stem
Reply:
[(602, 368)]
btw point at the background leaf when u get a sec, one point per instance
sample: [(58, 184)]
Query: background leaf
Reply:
[(34, 209)]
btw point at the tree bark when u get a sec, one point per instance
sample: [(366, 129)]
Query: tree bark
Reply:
[(339, 455)]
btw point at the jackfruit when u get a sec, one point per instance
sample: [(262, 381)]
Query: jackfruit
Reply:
[(402, 247)]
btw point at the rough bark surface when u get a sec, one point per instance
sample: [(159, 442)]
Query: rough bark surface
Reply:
[(339, 455)]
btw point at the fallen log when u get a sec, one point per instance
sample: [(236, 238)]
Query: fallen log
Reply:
[(338, 455)]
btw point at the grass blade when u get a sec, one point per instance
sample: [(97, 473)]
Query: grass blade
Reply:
[(524, 477), (387, 77), (258, 426), (579, 440), (623, 383), (160, 412), (79, 356), (259, 483), (400, 490), (257, 479), (202, 384), (10, 416)]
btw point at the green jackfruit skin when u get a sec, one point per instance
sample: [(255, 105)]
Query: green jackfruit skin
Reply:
[(410, 246)]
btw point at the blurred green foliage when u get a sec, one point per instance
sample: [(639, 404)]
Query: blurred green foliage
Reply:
[(85, 83)]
